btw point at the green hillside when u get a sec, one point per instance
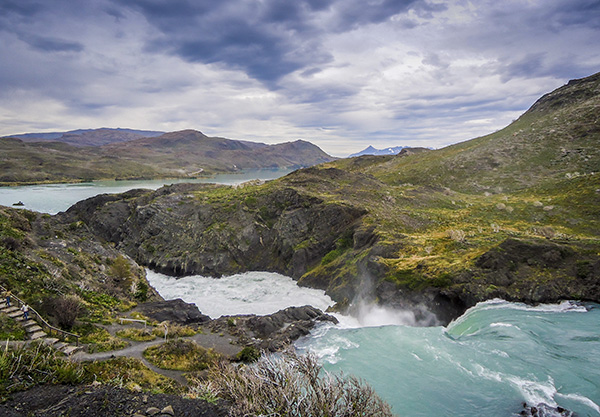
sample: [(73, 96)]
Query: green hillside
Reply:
[(556, 139)]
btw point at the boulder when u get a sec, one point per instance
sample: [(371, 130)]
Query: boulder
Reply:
[(175, 311)]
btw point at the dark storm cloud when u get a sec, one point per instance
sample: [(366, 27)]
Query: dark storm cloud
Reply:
[(577, 13), (34, 22), (18, 8), (352, 14), (267, 39)]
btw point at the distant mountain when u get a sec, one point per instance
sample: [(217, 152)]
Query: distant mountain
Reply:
[(190, 151), (88, 137), (372, 151), (187, 153)]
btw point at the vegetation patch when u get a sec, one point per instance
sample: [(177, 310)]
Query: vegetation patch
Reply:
[(98, 339), (125, 372), (10, 329), (174, 330), (137, 335), (23, 368), (248, 354), (180, 355)]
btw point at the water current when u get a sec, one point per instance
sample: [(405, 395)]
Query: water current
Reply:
[(485, 363)]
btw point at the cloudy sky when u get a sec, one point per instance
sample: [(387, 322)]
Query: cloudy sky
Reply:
[(342, 74)]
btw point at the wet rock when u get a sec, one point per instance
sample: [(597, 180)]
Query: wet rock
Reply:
[(275, 331), (545, 410)]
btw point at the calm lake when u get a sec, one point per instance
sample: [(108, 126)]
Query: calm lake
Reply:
[(53, 198)]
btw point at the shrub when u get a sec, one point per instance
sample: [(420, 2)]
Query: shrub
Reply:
[(141, 292), (248, 354), (66, 309), (292, 385), (120, 268), (11, 243)]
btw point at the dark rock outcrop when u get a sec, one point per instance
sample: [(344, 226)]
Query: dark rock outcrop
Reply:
[(275, 331), (176, 311), (535, 271), (174, 233)]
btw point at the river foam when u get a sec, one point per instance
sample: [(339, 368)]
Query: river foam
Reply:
[(248, 293)]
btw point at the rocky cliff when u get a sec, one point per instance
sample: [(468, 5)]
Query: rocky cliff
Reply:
[(211, 230)]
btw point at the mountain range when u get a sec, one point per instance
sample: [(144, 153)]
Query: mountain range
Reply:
[(126, 154)]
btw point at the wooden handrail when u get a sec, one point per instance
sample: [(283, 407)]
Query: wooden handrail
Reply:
[(122, 319), (60, 333)]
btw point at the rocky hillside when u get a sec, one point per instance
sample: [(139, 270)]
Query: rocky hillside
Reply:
[(184, 154), (513, 215), (66, 273)]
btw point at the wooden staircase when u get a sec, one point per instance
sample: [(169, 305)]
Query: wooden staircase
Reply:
[(35, 331)]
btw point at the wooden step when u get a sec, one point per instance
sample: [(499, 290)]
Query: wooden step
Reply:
[(70, 349), (33, 329), (29, 323), (50, 340), (15, 314), (37, 335), (8, 310), (59, 345)]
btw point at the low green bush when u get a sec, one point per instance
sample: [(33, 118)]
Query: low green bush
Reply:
[(181, 355)]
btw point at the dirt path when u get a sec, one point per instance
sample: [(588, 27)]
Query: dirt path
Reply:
[(220, 344)]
